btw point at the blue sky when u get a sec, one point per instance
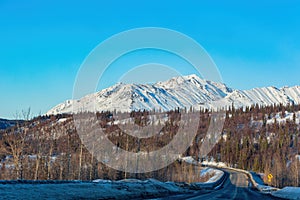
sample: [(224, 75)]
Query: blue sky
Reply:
[(43, 43)]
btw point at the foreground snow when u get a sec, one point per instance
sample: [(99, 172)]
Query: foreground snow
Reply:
[(107, 189), (288, 193), (98, 189)]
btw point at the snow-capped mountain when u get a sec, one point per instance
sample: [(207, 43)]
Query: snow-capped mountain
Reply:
[(185, 91)]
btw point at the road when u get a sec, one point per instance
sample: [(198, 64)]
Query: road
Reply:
[(236, 186)]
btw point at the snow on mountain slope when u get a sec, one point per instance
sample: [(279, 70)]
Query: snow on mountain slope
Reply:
[(180, 92), (293, 93), (262, 96)]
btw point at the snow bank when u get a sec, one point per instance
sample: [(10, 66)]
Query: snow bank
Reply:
[(288, 193), (213, 163), (216, 177), (98, 189), (188, 159), (107, 189), (206, 171), (266, 189), (214, 182)]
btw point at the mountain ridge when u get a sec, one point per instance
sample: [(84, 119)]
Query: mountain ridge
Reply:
[(183, 92)]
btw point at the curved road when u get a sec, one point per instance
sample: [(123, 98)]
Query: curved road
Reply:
[(236, 186)]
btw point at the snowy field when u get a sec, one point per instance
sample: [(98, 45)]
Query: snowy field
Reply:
[(98, 189), (103, 189)]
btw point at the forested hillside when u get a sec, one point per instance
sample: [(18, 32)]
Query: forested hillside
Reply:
[(262, 139)]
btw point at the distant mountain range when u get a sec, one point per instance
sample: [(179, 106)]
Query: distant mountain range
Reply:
[(184, 92)]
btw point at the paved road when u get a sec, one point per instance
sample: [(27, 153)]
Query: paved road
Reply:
[(234, 187)]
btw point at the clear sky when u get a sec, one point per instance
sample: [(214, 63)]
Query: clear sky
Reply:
[(43, 43)]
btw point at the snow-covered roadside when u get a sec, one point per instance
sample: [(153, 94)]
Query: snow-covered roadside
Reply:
[(98, 189), (292, 193), (259, 183), (216, 176), (214, 182), (133, 188), (106, 189)]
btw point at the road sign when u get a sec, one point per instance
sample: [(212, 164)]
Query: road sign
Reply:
[(270, 176)]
